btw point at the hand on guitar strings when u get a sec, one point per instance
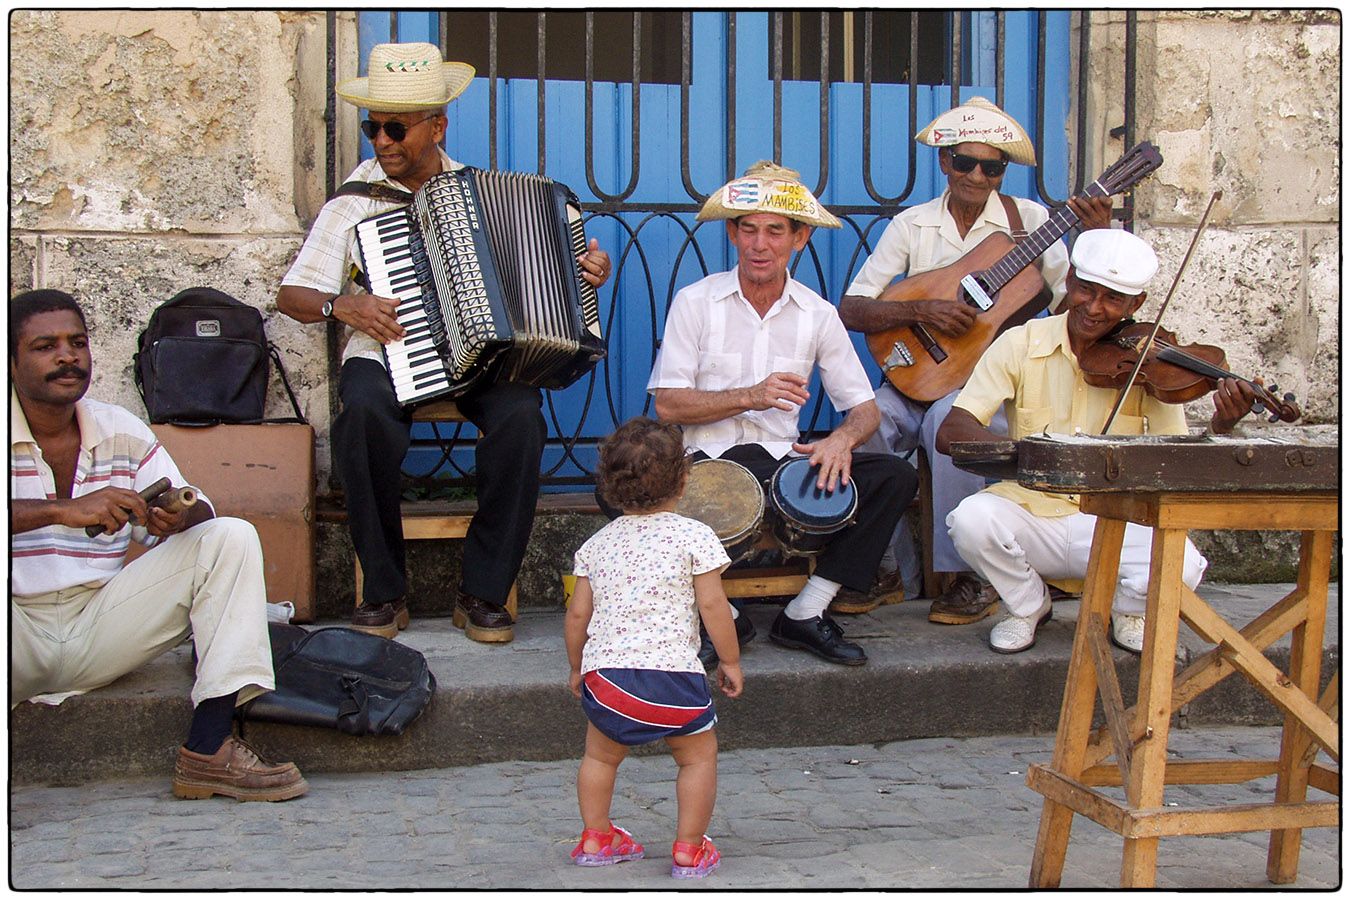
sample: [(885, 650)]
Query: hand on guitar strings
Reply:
[(594, 264), (950, 317), (1092, 212), (781, 390)]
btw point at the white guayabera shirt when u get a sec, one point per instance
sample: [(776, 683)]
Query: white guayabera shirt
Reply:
[(716, 341)]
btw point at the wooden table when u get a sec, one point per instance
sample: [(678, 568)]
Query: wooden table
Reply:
[(1137, 737)]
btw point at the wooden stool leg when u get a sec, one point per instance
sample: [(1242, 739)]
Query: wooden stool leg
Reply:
[(1305, 671), (360, 581), (513, 603), (1080, 695), (1138, 867)]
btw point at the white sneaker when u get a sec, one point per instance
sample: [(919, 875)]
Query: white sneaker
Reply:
[(1127, 632), (1017, 633)]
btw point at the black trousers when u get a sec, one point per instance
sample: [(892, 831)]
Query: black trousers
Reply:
[(886, 485), (371, 435)]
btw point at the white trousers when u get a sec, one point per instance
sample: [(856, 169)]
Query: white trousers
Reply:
[(208, 579), (1017, 552)]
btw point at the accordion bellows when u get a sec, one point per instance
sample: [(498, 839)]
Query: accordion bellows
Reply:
[(484, 267)]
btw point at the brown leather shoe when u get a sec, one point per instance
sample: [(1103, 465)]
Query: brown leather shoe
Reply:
[(964, 601), (482, 621), (888, 589), (381, 619), (235, 770)]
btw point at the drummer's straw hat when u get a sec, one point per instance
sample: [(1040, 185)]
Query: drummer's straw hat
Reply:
[(406, 78), (978, 121), (767, 188)]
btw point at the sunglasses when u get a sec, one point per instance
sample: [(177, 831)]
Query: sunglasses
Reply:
[(992, 168), (397, 131)]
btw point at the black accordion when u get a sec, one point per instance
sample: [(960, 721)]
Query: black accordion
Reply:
[(484, 268)]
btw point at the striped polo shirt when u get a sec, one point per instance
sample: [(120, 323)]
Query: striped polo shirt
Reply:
[(116, 449)]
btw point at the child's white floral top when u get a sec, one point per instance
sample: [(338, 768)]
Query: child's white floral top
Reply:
[(641, 570)]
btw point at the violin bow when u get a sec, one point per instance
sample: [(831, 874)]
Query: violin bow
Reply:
[(1148, 341)]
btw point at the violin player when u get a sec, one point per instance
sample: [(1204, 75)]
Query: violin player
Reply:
[(976, 141), (1018, 538)]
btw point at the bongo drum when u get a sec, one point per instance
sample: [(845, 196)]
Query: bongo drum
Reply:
[(806, 515), (725, 496)]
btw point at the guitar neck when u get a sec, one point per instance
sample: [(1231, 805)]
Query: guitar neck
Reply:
[(1125, 173)]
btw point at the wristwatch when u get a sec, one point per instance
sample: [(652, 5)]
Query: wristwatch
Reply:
[(327, 308)]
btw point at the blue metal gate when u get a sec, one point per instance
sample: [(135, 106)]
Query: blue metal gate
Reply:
[(643, 155)]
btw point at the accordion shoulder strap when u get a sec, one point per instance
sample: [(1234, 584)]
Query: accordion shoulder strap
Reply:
[(373, 191)]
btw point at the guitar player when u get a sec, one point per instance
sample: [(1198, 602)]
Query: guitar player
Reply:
[(976, 141)]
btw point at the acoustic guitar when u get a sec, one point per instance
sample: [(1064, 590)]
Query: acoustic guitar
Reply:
[(996, 278)]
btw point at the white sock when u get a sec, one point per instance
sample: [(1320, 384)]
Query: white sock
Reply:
[(813, 600)]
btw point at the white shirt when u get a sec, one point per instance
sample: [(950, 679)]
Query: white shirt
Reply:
[(329, 253), (716, 341), (925, 237), (116, 450), (641, 570)]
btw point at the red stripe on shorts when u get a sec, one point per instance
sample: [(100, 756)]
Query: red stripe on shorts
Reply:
[(613, 697)]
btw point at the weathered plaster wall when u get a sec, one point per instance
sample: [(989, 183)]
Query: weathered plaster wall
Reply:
[(151, 151), (1246, 103)]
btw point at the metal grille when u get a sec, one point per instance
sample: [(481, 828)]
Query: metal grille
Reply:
[(658, 248)]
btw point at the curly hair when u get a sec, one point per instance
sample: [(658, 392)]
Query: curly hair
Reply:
[(642, 465)]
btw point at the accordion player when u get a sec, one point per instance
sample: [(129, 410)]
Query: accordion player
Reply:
[(484, 267)]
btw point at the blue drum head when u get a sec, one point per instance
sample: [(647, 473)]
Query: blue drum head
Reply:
[(797, 498)]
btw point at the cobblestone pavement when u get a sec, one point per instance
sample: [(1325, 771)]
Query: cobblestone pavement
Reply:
[(935, 813)]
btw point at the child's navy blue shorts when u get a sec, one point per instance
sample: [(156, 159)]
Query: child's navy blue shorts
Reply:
[(638, 706)]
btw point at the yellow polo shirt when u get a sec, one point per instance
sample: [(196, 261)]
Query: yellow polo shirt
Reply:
[(1032, 372)]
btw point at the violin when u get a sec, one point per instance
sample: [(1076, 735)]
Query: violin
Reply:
[(1171, 372)]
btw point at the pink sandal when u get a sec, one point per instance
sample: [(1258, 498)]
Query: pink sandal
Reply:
[(609, 852), (705, 861)]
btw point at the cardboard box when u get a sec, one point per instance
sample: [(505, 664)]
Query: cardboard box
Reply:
[(265, 475)]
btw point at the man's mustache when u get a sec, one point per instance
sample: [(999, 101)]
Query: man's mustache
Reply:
[(67, 371)]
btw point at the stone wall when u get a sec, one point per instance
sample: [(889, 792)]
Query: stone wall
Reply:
[(152, 151), (1246, 103)]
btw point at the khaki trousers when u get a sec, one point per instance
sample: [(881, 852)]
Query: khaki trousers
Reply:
[(208, 579)]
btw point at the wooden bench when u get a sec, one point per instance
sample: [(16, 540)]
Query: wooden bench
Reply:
[(440, 524)]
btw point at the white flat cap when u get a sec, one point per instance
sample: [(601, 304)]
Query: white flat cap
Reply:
[(1114, 258)]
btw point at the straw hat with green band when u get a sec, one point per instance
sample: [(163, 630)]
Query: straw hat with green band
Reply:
[(406, 78), (977, 121), (767, 188)]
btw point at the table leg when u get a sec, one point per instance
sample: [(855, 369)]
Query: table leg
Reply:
[(1305, 670), (1080, 696), (1156, 668)]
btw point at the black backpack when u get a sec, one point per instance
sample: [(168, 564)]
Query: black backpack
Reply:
[(339, 678), (203, 359)]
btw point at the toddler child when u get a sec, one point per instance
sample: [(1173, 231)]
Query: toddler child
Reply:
[(632, 630)]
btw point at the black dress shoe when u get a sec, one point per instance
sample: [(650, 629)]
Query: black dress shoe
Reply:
[(707, 653), (821, 635), (482, 621)]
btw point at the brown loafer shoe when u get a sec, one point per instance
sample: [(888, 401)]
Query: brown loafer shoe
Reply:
[(235, 770), (966, 600), (888, 589), (381, 619), (482, 621)]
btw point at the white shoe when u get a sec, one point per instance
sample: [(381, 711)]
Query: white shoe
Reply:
[(1017, 633), (1127, 632)]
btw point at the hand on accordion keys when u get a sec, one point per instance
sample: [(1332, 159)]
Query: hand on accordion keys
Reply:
[(594, 264), (376, 316)]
